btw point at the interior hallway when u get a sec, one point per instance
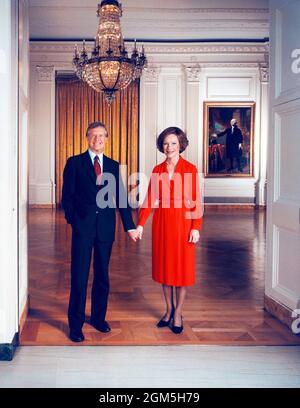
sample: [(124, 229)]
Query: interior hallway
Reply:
[(225, 307)]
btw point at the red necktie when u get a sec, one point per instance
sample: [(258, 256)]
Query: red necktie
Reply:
[(97, 166)]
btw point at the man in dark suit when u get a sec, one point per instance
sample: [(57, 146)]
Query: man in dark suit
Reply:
[(93, 219), (234, 140)]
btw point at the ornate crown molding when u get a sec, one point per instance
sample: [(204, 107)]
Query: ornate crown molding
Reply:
[(229, 65), (206, 48), (45, 74), (163, 48), (264, 72), (151, 74), (189, 55), (193, 73), (55, 47)]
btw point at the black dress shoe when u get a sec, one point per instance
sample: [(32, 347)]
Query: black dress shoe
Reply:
[(103, 327), (177, 329), (76, 336), (165, 323)]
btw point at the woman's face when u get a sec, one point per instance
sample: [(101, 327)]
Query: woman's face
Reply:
[(171, 146)]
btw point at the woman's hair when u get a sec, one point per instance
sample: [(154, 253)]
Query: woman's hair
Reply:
[(182, 139)]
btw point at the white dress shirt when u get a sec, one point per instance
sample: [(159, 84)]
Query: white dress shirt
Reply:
[(100, 159)]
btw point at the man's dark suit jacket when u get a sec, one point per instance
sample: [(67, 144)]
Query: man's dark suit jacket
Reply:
[(232, 141), (79, 198)]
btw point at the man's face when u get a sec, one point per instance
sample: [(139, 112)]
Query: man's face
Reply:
[(97, 139), (233, 122)]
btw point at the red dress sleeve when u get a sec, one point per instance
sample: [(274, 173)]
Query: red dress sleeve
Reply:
[(147, 206), (197, 210)]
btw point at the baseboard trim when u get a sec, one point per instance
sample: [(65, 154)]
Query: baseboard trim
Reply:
[(281, 312), (33, 206), (221, 207), (229, 200), (7, 350), (214, 206)]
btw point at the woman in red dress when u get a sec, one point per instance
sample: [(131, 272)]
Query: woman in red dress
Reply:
[(174, 194)]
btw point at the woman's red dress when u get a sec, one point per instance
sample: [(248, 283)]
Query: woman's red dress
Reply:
[(177, 210)]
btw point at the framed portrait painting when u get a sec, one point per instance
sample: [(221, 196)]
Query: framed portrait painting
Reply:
[(228, 139)]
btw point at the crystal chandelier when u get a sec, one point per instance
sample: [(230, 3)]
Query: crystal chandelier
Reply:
[(109, 68)]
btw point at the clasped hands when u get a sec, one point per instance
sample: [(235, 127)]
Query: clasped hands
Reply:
[(138, 234)]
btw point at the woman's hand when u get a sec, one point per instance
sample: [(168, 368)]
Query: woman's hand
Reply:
[(133, 235), (139, 230), (194, 236)]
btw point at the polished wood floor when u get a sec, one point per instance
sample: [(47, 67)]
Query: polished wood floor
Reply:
[(224, 307)]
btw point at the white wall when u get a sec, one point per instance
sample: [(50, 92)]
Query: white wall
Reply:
[(42, 134), (23, 150), (179, 78), (8, 172), (283, 215)]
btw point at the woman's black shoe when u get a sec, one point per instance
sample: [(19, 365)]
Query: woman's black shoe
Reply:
[(177, 329), (165, 323)]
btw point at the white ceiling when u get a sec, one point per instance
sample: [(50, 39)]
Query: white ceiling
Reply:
[(153, 19)]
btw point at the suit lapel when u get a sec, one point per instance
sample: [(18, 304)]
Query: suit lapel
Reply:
[(88, 166), (106, 165)]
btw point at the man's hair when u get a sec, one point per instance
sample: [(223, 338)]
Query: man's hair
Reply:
[(95, 125)]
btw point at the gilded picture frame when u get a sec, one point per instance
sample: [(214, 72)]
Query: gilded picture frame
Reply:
[(229, 150)]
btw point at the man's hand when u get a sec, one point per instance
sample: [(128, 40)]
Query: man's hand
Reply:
[(194, 236), (133, 235)]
